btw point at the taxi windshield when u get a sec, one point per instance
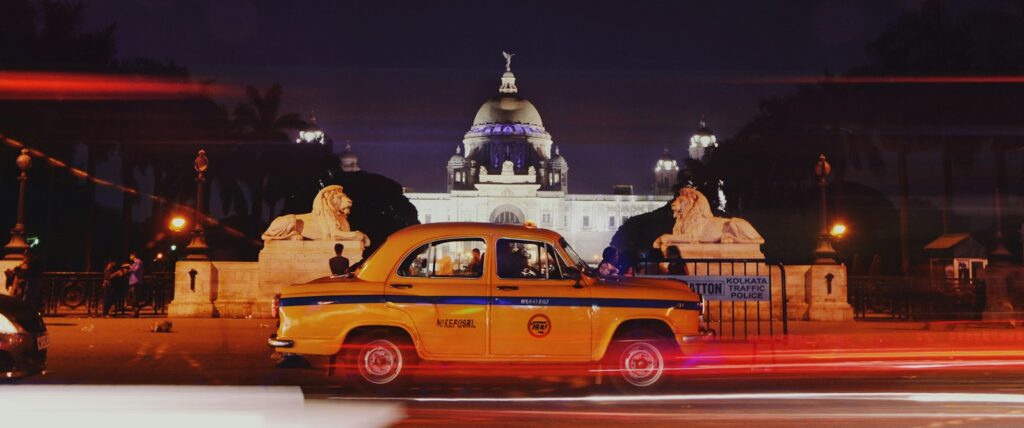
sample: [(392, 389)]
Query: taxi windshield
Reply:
[(577, 261)]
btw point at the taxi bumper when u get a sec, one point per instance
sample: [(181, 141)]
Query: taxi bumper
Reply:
[(274, 342), (703, 335)]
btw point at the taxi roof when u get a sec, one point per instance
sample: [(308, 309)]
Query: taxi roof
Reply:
[(426, 231), (380, 263)]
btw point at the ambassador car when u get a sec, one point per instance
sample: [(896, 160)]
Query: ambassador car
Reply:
[(470, 292)]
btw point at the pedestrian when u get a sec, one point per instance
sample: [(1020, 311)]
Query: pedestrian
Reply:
[(112, 274), (135, 283), (674, 266), (14, 282), (338, 263), (609, 259), (626, 263), (27, 282)]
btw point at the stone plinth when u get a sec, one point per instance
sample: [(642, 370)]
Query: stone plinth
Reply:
[(294, 262), (194, 297), (825, 290), (1004, 292), (714, 251), (5, 265), (247, 289), (796, 292)]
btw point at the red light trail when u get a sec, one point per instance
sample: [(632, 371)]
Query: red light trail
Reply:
[(874, 80), (21, 85)]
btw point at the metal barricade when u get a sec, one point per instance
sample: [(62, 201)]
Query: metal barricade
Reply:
[(69, 293), (742, 298), (916, 298)]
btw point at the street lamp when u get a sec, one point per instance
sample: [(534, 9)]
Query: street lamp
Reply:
[(838, 230), (197, 247), (823, 252), (177, 224), (17, 246)]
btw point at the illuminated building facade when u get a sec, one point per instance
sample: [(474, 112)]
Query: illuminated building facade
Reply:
[(509, 170)]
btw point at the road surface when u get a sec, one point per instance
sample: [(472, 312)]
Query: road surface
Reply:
[(892, 374)]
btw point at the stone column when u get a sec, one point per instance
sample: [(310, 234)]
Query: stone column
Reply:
[(1004, 292)]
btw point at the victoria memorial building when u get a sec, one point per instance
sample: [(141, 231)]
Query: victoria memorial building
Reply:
[(509, 170)]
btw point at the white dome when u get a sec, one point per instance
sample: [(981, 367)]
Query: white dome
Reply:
[(507, 109)]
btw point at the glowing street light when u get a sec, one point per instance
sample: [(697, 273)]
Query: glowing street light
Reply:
[(177, 224), (838, 230)]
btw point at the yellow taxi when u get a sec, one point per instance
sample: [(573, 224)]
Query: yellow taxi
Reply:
[(477, 292)]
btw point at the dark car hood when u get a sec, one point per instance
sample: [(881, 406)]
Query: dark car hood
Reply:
[(21, 313)]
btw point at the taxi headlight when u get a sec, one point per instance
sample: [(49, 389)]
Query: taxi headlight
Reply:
[(7, 326)]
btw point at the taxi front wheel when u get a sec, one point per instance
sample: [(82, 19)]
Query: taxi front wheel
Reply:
[(379, 361), (637, 362)]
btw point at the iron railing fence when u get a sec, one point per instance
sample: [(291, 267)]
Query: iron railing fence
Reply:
[(735, 316), (66, 293), (915, 298)]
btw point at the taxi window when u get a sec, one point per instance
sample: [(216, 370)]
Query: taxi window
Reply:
[(453, 258), (519, 259)]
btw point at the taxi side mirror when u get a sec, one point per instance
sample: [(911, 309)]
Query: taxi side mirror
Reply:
[(573, 273)]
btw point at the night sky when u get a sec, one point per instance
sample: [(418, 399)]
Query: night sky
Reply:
[(614, 82)]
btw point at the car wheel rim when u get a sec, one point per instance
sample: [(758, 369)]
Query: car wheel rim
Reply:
[(380, 362), (641, 364)]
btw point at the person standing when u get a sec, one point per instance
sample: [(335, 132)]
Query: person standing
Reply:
[(30, 275), (338, 263), (674, 266), (112, 274), (14, 282), (135, 283)]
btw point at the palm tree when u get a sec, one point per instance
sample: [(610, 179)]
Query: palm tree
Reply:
[(259, 122)]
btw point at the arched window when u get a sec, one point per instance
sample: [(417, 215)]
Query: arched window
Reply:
[(507, 214), (507, 218)]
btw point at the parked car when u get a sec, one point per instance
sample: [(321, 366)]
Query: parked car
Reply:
[(23, 339), (473, 292)]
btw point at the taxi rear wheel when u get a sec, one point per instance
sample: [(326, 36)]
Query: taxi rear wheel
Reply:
[(638, 362), (379, 361)]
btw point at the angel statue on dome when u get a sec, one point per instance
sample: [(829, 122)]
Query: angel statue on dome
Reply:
[(508, 60)]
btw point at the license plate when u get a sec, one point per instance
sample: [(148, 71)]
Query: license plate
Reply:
[(42, 342)]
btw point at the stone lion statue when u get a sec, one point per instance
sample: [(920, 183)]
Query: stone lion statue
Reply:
[(327, 221), (695, 223)]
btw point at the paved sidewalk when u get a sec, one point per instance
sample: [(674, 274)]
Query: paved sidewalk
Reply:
[(196, 351)]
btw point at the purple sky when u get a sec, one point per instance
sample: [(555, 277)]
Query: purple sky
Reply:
[(615, 82)]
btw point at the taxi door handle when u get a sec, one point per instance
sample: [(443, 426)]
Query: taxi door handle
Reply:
[(508, 287), (401, 285)]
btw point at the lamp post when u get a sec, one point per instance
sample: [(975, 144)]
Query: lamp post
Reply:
[(197, 247), (823, 252), (999, 253), (17, 246)]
